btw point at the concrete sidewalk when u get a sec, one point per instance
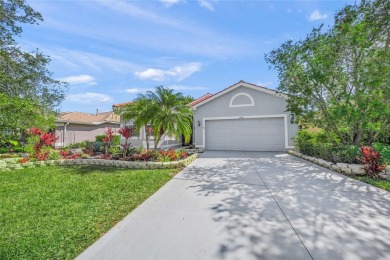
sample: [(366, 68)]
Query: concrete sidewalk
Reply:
[(253, 205)]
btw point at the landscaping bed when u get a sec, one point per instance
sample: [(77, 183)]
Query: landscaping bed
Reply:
[(15, 164), (355, 171), (57, 212)]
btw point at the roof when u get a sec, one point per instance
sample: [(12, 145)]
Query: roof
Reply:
[(202, 98), (232, 87), (122, 104), (86, 118)]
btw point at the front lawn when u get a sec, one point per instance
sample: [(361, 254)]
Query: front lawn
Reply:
[(383, 184), (57, 212)]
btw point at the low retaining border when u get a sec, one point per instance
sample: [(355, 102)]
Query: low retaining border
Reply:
[(345, 168), (4, 166)]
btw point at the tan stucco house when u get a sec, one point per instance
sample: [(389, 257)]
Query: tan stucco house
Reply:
[(74, 127)]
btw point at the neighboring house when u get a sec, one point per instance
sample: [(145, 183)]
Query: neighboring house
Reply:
[(139, 138), (243, 117), (74, 127)]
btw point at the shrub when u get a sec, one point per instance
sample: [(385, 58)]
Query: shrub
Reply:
[(126, 132), (54, 154), (317, 145), (371, 161), (115, 140), (384, 150), (15, 149), (78, 145)]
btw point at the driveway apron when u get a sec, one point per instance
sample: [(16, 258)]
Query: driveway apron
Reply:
[(253, 205)]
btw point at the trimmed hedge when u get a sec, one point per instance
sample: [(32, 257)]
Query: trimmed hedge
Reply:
[(318, 145)]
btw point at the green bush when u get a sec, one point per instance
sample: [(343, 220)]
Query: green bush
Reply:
[(318, 145), (54, 154), (16, 150), (82, 144), (384, 150), (115, 141)]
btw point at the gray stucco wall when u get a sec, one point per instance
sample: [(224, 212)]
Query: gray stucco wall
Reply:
[(76, 133), (264, 104)]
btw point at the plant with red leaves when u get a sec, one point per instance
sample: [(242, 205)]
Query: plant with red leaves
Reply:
[(107, 140), (109, 136), (48, 139), (106, 156), (44, 140), (42, 156), (371, 160), (35, 131), (126, 132), (64, 153), (24, 160), (183, 154)]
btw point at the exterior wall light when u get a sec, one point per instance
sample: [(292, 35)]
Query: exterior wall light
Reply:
[(292, 121), (198, 123)]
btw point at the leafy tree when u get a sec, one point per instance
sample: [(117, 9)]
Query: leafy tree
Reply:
[(25, 82), (165, 111), (339, 79)]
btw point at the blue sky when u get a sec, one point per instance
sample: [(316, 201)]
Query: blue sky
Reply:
[(109, 51)]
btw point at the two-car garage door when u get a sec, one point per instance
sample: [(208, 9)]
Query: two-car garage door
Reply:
[(257, 134)]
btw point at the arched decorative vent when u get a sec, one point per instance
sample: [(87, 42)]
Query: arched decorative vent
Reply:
[(242, 100)]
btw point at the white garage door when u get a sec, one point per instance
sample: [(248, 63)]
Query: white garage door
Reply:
[(265, 134)]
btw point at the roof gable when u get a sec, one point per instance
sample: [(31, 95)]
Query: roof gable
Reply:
[(237, 85)]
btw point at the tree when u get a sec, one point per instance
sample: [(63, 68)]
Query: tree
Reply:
[(339, 79), (24, 78), (165, 111)]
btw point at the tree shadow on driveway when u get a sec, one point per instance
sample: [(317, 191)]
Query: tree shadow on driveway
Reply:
[(265, 204)]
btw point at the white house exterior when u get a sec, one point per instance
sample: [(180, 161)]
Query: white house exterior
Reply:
[(243, 117)]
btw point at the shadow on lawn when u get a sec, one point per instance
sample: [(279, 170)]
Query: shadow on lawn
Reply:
[(90, 169), (336, 217)]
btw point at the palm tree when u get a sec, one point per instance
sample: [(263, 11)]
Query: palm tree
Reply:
[(167, 113)]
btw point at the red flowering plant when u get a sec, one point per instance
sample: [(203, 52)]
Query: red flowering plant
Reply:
[(372, 161), (107, 140), (126, 132)]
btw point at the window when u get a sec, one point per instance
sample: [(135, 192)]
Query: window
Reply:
[(130, 124)]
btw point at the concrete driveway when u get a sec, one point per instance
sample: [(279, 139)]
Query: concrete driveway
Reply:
[(253, 205)]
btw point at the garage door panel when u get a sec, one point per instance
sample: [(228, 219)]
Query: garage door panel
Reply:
[(265, 134)]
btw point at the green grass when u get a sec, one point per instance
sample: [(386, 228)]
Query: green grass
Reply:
[(383, 184), (57, 212)]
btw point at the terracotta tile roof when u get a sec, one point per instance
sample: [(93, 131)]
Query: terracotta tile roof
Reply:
[(202, 98), (79, 117), (122, 104)]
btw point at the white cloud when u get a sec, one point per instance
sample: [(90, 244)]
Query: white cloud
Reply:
[(89, 98), (206, 4), (133, 90), (81, 60), (265, 84), (176, 73), (316, 15), (80, 79), (181, 87), (169, 2)]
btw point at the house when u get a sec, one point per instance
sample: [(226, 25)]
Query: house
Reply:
[(74, 127), (140, 138), (244, 117)]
